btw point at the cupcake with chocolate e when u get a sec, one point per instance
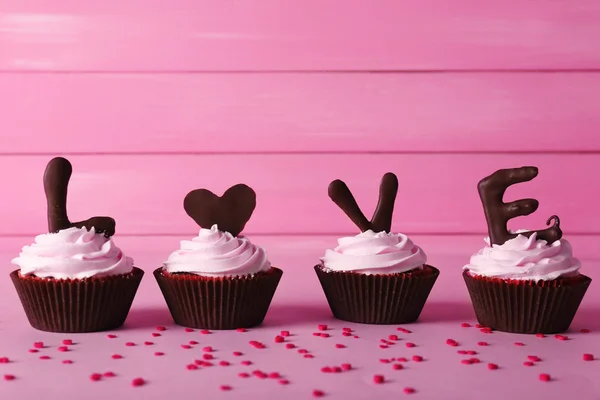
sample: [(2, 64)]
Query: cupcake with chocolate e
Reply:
[(375, 277), (219, 279), (523, 281), (74, 279)]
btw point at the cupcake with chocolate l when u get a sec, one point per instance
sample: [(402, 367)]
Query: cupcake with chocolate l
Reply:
[(74, 279), (523, 281), (375, 277), (219, 279)]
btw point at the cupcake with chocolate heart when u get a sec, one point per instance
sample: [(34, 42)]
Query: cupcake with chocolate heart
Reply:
[(523, 281), (74, 278), (375, 277), (219, 279)]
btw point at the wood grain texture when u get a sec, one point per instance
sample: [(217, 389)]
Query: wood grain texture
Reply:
[(437, 192), (149, 113), (199, 35)]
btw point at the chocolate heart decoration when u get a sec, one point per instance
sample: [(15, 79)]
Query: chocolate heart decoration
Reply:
[(230, 212)]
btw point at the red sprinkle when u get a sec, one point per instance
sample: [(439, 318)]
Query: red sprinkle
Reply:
[(159, 353), (325, 335), (111, 336), (238, 353), (285, 333), (403, 330), (408, 390), (326, 370), (465, 325), (279, 339), (451, 342), (246, 362), (4, 360), (383, 346), (290, 345), (417, 358), (561, 337), (138, 382), (318, 393), (302, 351), (109, 374), (256, 344), (224, 363), (585, 330), (156, 334), (384, 360), (259, 374), (475, 360), (534, 358), (471, 352), (322, 327), (588, 357), (393, 337), (479, 326), (528, 364), (38, 345), (44, 357), (186, 346), (205, 332), (207, 364), (207, 356), (466, 362), (378, 379), (161, 328), (283, 382), (117, 356), (401, 359), (463, 352), (191, 367), (398, 366), (356, 337), (63, 348), (409, 344), (9, 377), (33, 350), (308, 356), (274, 375), (346, 367), (148, 343), (346, 334), (540, 335), (129, 344), (519, 344), (225, 387), (544, 377), (207, 349), (340, 346), (492, 366), (189, 330), (241, 330), (67, 342), (67, 362), (347, 329), (193, 342), (482, 343), (95, 377), (244, 375)]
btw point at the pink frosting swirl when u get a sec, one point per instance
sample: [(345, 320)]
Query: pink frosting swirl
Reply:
[(524, 258), (73, 253), (216, 253), (375, 254)]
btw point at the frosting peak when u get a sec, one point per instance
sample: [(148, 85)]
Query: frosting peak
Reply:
[(525, 258), (375, 253), (217, 253), (73, 253)]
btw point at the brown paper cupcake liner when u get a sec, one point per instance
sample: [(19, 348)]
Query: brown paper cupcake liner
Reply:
[(526, 306), (377, 299), (218, 303), (77, 305)]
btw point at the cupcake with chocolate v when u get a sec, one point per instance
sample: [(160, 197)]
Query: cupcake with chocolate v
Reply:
[(375, 277), (74, 278), (522, 281), (219, 279)]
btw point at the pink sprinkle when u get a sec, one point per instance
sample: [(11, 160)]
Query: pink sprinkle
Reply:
[(111, 336), (308, 356), (465, 325), (109, 374), (246, 362), (588, 357), (205, 332), (9, 377), (156, 334), (224, 363), (340, 346), (148, 343), (95, 377), (159, 353), (138, 382), (63, 348), (318, 393), (417, 358), (38, 345), (33, 350), (284, 382), (528, 364), (241, 329), (540, 335), (117, 356), (285, 333), (409, 344), (207, 349), (398, 366), (492, 366), (129, 344), (193, 342), (274, 375), (67, 362), (44, 357), (322, 327), (544, 377), (378, 379), (207, 356), (519, 344), (189, 330), (393, 337), (238, 353), (482, 343), (244, 375), (4, 360), (326, 370), (67, 342), (561, 337), (585, 330), (346, 366), (186, 346), (161, 328), (534, 358), (463, 352), (191, 367), (290, 345), (279, 339), (302, 351), (225, 388), (466, 362)]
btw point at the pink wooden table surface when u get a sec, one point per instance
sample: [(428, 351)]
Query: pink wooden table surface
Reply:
[(299, 306)]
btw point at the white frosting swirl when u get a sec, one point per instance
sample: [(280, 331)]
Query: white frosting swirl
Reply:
[(73, 253), (375, 254), (216, 253), (524, 258)]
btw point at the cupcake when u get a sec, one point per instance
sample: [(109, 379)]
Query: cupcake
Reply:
[(74, 279), (219, 279), (522, 281), (375, 277)]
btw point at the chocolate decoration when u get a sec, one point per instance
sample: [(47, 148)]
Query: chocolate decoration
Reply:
[(382, 217), (230, 212), (56, 182), (497, 213)]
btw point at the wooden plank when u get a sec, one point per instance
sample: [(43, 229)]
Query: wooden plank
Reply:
[(184, 35), (437, 192), (128, 113)]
